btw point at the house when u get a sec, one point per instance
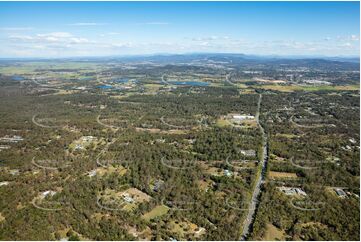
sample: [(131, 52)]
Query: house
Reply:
[(299, 191), (242, 117), (158, 185), (340, 192), (160, 141), (92, 173), (14, 139), (48, 193), (127, 197), (4, 147), (248, 152), (292, 191), (227, 173), (14, 172), (87, 138), (4, 183), (78, 147)]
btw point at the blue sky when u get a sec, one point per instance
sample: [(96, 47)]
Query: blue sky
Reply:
[(61, 29)]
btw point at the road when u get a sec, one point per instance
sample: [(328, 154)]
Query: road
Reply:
[(227, 80), (164, 81), (248, 223)]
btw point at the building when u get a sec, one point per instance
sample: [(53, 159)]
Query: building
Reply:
[(242, 117), (299, 191), (92, 173), (127, 197), (78, 147), (4, 183), (292, 191), (87, 138), (340, 192), (4, 147), (248, 152), (227, 172), (14, 139), (48, 193), (14, 172), (158, 185)]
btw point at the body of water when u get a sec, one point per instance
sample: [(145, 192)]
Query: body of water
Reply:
[(17, 78), (105, 87)]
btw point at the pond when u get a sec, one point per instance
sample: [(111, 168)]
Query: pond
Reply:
[(17, 78), (105, 87)]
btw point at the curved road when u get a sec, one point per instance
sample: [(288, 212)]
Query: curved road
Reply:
[(260, 179), (229, 81)]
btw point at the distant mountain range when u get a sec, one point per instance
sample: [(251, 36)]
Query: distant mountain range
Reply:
[(191, 57)]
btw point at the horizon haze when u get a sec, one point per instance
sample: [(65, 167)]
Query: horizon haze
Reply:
[(78, 29)]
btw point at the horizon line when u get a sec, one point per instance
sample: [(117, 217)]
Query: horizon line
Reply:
[(187, 53)]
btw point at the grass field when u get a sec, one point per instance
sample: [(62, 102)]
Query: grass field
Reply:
[(273, 233), (120, 170), (222, 123), (182, 227), (156, 212), (275, 174)]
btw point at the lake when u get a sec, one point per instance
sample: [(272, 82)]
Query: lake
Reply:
[(17, 78), (105, 87)]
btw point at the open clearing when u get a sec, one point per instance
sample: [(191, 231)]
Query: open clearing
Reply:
[(273, 233), (2, 218), (156, 212), (120, 170), (276, 174), (181, 228)]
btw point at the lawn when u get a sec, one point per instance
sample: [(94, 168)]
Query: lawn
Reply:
[(275, 174), (273, 233), (222, 123), (156, 212)]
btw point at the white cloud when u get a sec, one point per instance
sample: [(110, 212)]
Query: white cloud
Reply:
[(56, 35), (354, 37), (79, 40), (50, 39), (21, 37), (68, 44)]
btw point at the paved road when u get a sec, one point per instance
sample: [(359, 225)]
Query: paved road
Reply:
[(164, 81), (229, 81), (261, 177)]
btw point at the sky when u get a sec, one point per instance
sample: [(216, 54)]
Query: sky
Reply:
[(70, 29)]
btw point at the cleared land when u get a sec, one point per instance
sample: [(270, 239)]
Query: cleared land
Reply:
[(156, 212), (275, 175)]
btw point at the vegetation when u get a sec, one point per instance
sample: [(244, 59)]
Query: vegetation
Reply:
[(92, 146)]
